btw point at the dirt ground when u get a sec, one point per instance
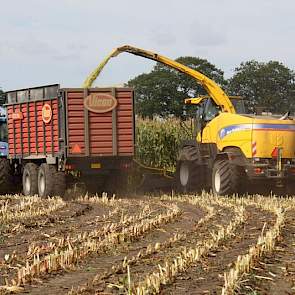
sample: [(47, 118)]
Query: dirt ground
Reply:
[(100, 245)]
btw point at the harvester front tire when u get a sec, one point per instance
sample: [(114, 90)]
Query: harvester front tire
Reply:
[(5, 176), (189, 173), (226, 178), (30, 179), (190, 177)]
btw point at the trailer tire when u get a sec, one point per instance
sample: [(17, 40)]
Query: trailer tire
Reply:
[(30, 179), (46, 180), (5, 176), (226, 178)]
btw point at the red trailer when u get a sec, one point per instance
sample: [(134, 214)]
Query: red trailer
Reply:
[(54, 132)]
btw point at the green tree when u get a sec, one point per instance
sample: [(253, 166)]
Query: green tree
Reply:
[(163, 90), (1, 97), (268, 85)]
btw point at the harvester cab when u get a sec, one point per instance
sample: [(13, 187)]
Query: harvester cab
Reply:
[(230, 148), (207, 109), (3, 133)]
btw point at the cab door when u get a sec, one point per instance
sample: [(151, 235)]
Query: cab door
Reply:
[(211, 111)]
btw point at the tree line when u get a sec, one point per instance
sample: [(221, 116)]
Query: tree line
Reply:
[(161, 92), (266, 85), (2, 100)]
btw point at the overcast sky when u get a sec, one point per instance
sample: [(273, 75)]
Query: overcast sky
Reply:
[(61, 41)]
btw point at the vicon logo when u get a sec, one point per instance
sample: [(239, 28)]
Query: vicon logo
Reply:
[(100, 102)]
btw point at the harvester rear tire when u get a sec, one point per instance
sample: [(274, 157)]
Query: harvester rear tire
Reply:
[(5, 176), (30, 179), (226, 178)]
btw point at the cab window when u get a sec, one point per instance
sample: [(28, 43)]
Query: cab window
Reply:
[(238, 105), (211, 110)]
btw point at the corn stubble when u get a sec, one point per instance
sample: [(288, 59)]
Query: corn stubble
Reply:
[(69, 257), (67, 251)]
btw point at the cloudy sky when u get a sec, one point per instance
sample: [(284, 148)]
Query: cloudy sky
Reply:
[(61, 41)]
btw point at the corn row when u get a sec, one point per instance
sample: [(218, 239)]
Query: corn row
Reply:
[(69, 257), (151, 249), (98, 234), (104, 199), (110, 201), (62, 242), (7, 208), (187, 257), (120, 268), (51, 205), (265, 244), (158, 142), (266, 203), (204, 197), (157, 247), (13, 197)]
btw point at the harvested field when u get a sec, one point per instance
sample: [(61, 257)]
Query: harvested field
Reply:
[(147, 245)]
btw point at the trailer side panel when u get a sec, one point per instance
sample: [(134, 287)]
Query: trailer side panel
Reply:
[(109, 133), (30, 134)]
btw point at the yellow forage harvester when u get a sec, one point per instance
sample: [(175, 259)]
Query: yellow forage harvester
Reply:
[(230, 147)]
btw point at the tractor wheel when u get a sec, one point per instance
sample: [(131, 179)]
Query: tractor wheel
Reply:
[(46, 180), (227, 179), (5, 176), (30, 179)]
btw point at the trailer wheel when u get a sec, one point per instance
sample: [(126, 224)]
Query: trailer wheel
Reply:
[(5, 176), (226, 178), (30, 179), (46, 180)]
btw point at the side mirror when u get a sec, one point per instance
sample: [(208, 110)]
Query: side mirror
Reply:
[(195, 101)]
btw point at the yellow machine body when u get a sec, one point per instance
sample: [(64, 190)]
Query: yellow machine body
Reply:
[(254, 136)]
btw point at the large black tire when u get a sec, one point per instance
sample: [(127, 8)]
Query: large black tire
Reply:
[(46, 180), (190, 174), (227, 179), (30, 179), (50, 181), (5, 176)]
